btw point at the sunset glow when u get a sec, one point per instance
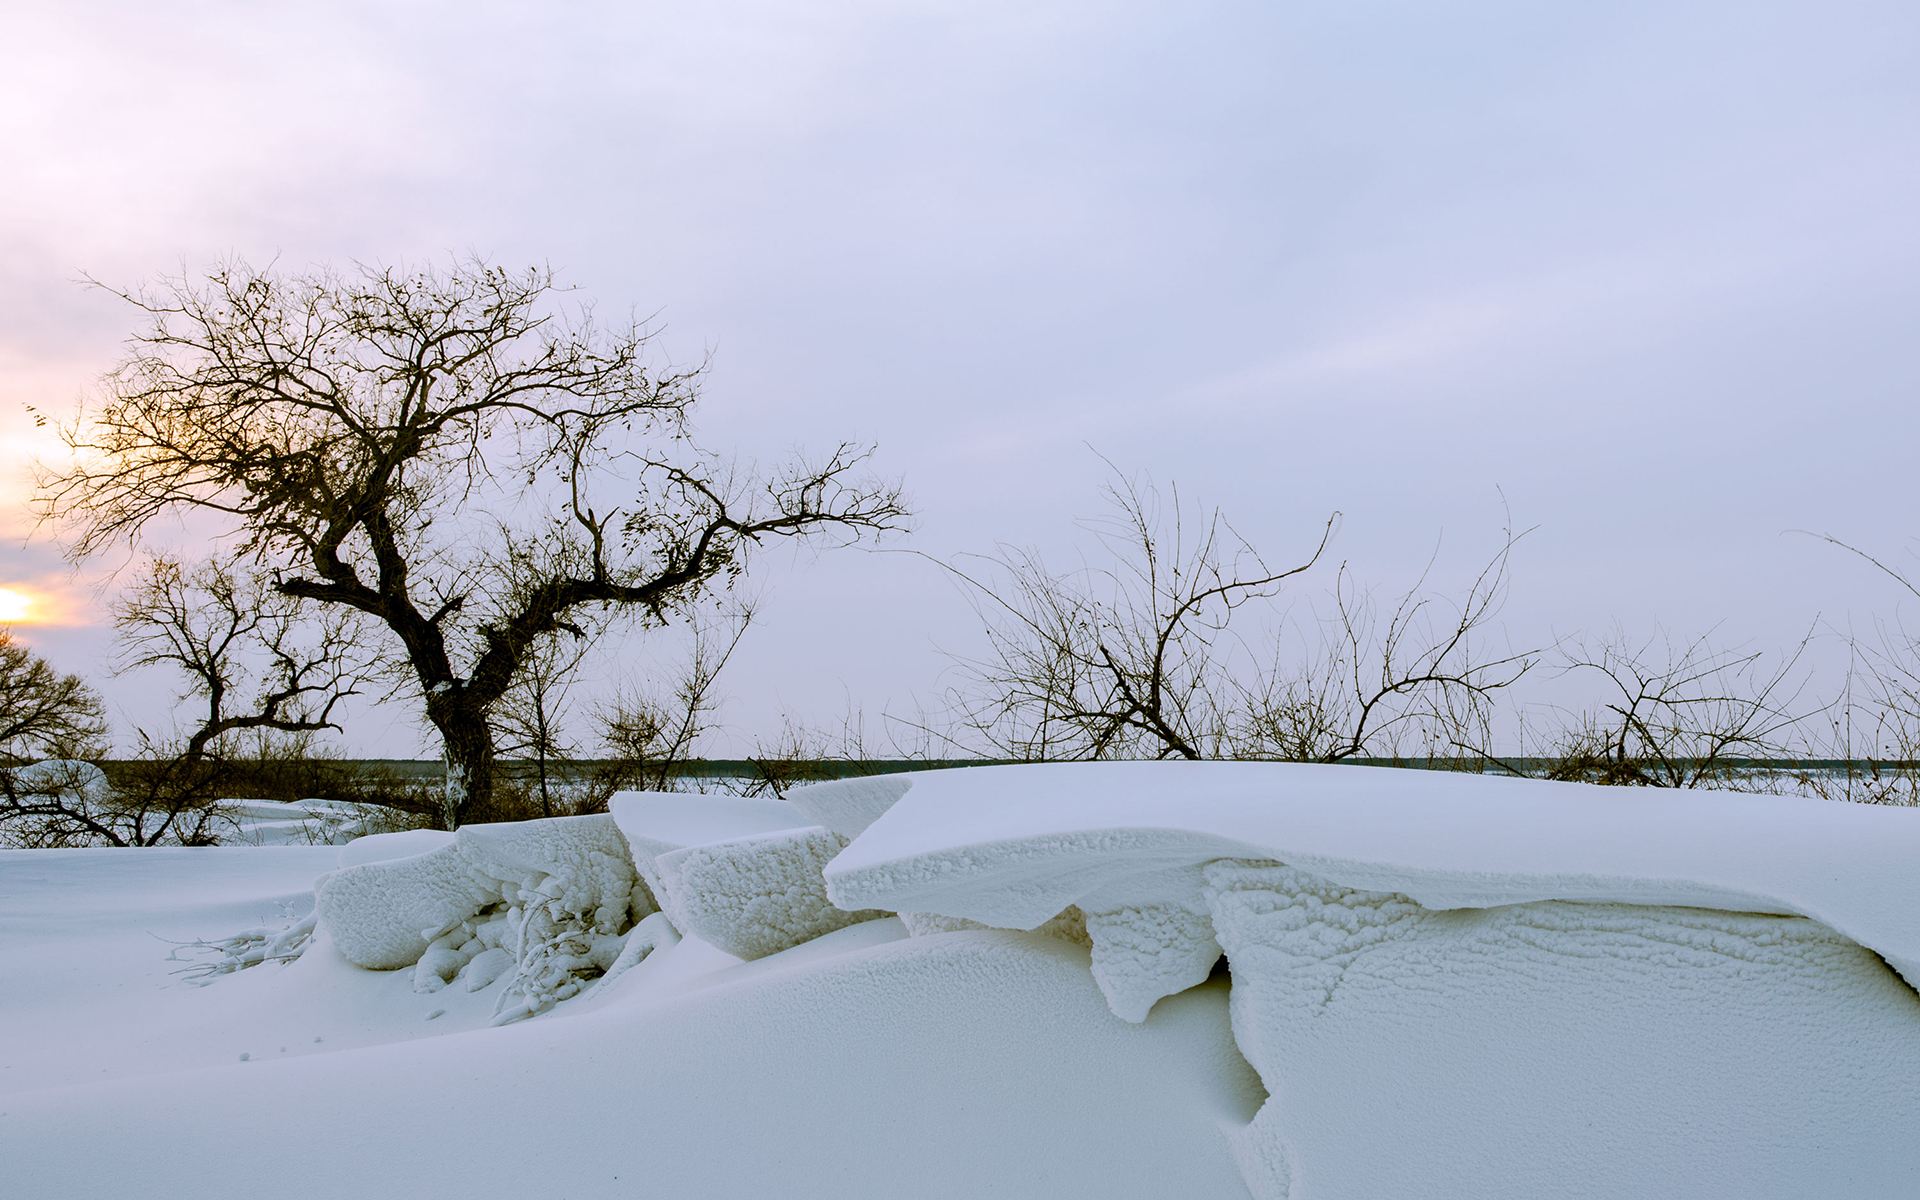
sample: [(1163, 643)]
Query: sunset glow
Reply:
[(19, 607)]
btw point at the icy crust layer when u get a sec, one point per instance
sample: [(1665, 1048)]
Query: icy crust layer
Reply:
[(1012, 846), (388, 913), (848, 806), (1608, 1050), (757, 896), (741, 873)]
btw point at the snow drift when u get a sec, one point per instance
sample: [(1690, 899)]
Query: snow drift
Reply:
[(1605, 992), (1012, 846), (1434, 985)]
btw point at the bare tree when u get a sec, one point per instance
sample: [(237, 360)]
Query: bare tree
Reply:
[(1137, 655), (253, 657), (53, 721), (459, 456), (43, 713), (253, 665), (256, 664), (1874, 725), (1871, 738)]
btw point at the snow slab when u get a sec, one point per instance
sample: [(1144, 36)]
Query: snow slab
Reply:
[(848, 806), (755, 896), (1012, 846), (556, 893), (657, 823), (741, 872)]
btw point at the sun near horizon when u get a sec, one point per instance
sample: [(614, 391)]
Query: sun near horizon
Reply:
[(21, 606)]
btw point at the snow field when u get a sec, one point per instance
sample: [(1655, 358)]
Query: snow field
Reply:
[(970, 1065), (1440, 986)]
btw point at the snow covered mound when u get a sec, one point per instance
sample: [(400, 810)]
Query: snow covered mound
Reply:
[(311, 822), (1436, 985), (1012, 846), (863, 1066), (741, 873), (549, 901)]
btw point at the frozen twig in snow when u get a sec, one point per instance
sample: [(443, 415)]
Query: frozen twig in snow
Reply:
[(206, 960)]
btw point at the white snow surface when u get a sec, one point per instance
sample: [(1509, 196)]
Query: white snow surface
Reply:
[(740, 872), (54, 775), (861, 1064), (1442, 986), (848, 806), (388, 912), (1012, 846), (755, 896), (1559, 1050)]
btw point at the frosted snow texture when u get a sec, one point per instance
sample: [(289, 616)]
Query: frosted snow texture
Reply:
[(741, 873), (1012, 846), (523, 880), (1070, 925), (1589, 1050), (755, 896)]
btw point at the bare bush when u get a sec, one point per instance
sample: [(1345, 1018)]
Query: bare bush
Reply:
[(1421, 683), (650, 731), (532, 720), (1137, 654), (1120, 658), (1679, 715)]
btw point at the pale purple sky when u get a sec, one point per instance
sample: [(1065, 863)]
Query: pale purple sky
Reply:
[(1652, 270)]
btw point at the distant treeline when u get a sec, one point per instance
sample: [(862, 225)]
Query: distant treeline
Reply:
[(337, 778)]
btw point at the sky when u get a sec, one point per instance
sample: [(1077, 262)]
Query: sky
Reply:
[(1643, 273)]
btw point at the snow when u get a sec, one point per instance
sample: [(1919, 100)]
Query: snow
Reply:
[(380, 847), (384, 913), (1435, 986), (551, 899), (861, 1064), (1545, 1050), (55, 775), (742, 873), (848, 806), (756, 896), (1012, 846), (291, 823)]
